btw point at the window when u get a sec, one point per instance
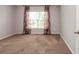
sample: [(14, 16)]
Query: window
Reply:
[(37, 19)]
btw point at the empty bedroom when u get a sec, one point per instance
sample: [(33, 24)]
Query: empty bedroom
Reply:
[(38, 29)]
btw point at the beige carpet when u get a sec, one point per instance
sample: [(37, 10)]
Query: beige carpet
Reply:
[(33, 44)]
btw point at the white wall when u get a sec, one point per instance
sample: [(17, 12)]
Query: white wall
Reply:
[(77, 29), (68, 20), (20, 18), (77, 43), (7, 21), (54, 17), (77, 18)]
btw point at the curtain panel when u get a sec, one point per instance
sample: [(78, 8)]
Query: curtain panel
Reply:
[(26, 30), (47, 30)]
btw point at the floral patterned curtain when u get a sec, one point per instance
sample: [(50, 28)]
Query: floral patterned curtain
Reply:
[(26, 30), (47, 29)]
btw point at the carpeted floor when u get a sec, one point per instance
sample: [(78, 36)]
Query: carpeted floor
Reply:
[(33, 44)]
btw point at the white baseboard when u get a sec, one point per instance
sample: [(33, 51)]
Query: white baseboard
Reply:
[(19, 33), (39, 33), (67, 44), (1, 38), (54, 33)]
